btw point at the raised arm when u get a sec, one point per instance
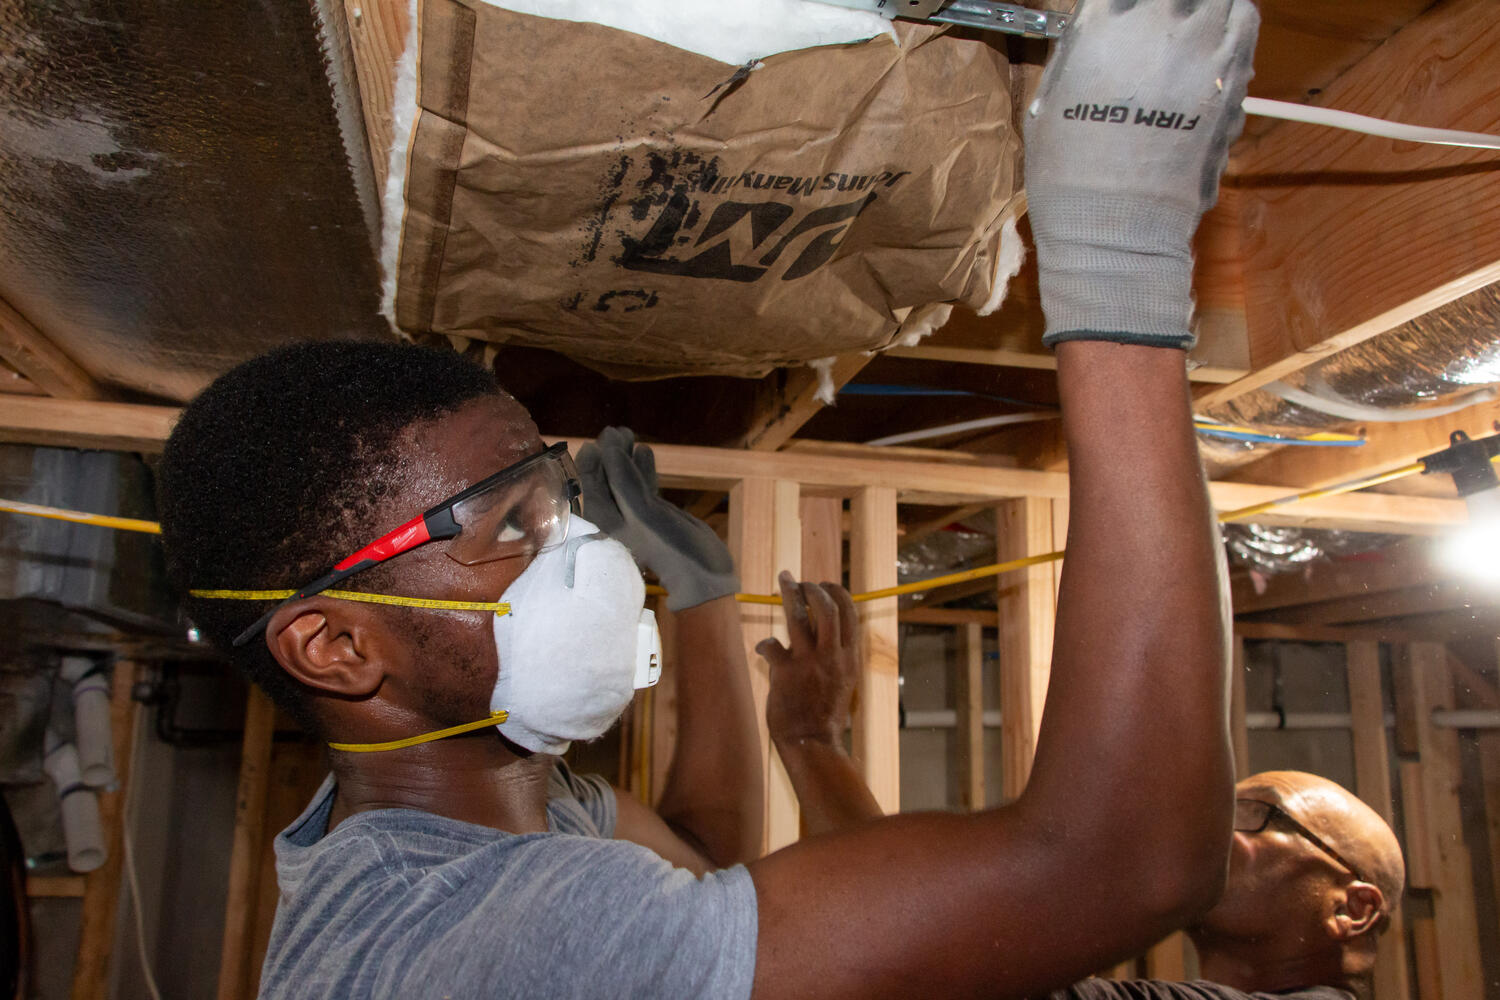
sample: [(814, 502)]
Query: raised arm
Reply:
[(711, 810), (1122, 833)]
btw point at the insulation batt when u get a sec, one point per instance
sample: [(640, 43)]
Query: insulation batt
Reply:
[(692, 188), (731, 33)]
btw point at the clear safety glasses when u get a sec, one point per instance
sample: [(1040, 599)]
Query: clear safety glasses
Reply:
[(1253, 816), (520, 510)]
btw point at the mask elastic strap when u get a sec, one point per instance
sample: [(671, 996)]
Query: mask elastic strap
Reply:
[(499, 608), (495, 718)]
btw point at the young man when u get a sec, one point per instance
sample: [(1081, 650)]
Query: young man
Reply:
[(471, 865)]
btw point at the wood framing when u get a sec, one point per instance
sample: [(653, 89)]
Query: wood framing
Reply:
[(1372, 783), (1406, 564), (55, 886), (246, 853), (1317, 277), (1027, 605), (101, 887), (1423, 599), (1451, 872), (783, 815), (934, 479), (822, 539), (28, 351), (85, 424), (1041, 360), (377, 37), (753, 508), (1238, 733), (872, 566), (969, 704), (794, 402)]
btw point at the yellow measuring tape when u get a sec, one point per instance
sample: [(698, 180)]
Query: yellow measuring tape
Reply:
[(498, 607), (916, 586), (493, 719)]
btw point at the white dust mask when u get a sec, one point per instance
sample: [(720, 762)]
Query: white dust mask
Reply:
[(576, 643)]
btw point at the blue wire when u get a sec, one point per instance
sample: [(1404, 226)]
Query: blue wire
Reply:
[(1273, 439)]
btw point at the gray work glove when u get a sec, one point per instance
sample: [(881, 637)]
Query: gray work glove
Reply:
[(621, 496), (1125, 142)]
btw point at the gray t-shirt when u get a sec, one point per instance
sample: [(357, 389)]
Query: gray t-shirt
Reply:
[(402, 903)]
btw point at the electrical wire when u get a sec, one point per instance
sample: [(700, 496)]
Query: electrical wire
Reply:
[(1351, 122)]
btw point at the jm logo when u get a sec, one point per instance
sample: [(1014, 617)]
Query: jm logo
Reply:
[(742, 241)]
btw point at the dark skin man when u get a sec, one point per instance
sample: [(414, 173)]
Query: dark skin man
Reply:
[(470, 887)]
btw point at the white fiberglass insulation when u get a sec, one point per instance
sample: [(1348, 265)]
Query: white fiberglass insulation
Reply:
[(734, 33)]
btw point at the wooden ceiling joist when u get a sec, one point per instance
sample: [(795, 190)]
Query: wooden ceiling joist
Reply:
[(1403, 565), (377, 37), (794, 402), (1400, 603), (133, 427), (29, 352), (85, 424), (1348, 236)]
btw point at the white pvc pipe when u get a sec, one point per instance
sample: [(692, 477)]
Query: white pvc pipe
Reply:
[(80, 809), (983, 423), (1447, 718), (91, 720)]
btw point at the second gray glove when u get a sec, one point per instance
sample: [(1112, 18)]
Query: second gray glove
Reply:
[(1125, 142), (622, 497)]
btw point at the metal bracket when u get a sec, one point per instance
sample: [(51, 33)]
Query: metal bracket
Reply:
[(1008, 18), (1004, 17)]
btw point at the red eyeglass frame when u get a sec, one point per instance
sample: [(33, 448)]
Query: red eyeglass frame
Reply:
[(434, 524)]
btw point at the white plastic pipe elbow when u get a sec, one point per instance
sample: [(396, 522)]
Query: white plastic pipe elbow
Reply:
[(80, 809)]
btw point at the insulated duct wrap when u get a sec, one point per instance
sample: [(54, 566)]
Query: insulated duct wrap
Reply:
[(1271, 551), (176, 193), (1435, 358), (951, 550)]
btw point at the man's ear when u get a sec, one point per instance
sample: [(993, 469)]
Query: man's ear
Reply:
[(328, 645), (1357, 912)]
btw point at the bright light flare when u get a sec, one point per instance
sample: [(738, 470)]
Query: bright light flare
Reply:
[(1474, 550)]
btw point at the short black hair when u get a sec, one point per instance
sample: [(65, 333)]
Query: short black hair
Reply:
[(273, 473)]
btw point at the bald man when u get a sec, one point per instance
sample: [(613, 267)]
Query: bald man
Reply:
[(1314, 875)]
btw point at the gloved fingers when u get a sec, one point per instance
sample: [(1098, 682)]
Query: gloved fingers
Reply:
[(645, 463), (598, 502), (625, 482), (621, 438)]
